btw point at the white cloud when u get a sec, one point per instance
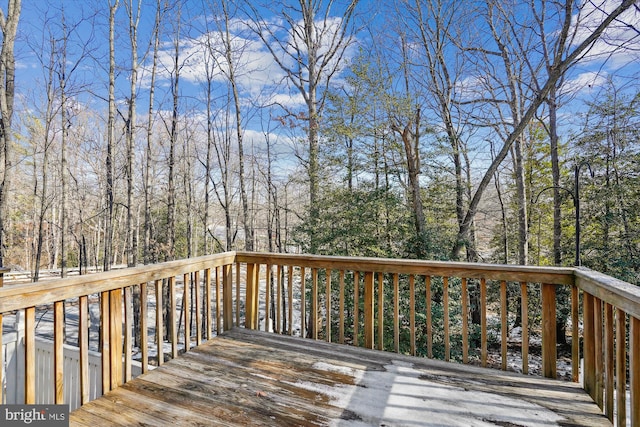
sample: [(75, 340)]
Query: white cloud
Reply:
[(620, 43), (587, 81), (259, 77)]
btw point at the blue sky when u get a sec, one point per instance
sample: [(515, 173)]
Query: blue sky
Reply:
[(260, 79)]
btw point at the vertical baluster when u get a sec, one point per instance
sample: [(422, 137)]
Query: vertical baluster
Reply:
[(621, 366), (524, 314), (279, 300), (445, 309), (575, 337), (30, 355), (58, 352), (599, 361), (465, 321), (219, 308), (380, 311), (588, 345), (227, 291), (128, 337), (159, 323), (608, 361), (503, 324), (634, 369), (483, 322), (186, 309), (396, 312), (256, 297), (341, 304), (104, 341), (227, 295), (429, 307), (356, 306), (549, 338), (412, 313), (144, 345), (303, 303), (267, 304), (198, 298), (237, 294), (115, 338), (290, 295), (172, 317), (314, 304), (250, 308), (83, 338), (368, 310), (2, 399), (328, 305), (208, 314)]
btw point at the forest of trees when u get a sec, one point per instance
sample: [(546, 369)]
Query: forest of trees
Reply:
[(138, 131)]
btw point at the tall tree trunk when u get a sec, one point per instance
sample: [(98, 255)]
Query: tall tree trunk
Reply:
[(9, 27), (148, 249), (229, 51), (110, 167), (173, 138), (555, 172), (62, 79), (134, 17), (521, 194), (411, 147)]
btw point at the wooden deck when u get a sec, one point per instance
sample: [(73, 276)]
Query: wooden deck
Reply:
[(253, 378)]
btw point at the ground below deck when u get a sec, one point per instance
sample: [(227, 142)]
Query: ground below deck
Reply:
[(249, 378)]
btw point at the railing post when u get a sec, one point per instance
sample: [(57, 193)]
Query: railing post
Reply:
[(368, 310), (227, 294), (549, 337)]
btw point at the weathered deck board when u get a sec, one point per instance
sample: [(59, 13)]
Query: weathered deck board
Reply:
[(253, 378)]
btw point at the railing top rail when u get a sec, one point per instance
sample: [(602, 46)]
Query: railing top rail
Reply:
[(610, 290), (613, 291), (512, 273), (31, 294)]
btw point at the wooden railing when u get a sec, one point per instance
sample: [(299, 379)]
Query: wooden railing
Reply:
[(454, 311), (113, 292), (608, 309)]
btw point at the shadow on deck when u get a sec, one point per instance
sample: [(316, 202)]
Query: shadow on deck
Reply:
[(244, 377)]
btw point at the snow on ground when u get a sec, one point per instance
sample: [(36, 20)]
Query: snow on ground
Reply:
[(401, 396)]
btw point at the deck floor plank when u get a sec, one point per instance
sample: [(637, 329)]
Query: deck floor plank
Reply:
[(246, 377)]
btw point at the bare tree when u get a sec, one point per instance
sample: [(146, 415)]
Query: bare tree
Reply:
[(230, 53), (560, 63), (133, 12), (111, 141), (150, 247), (9, 27), (308, 45), (435, 33)]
